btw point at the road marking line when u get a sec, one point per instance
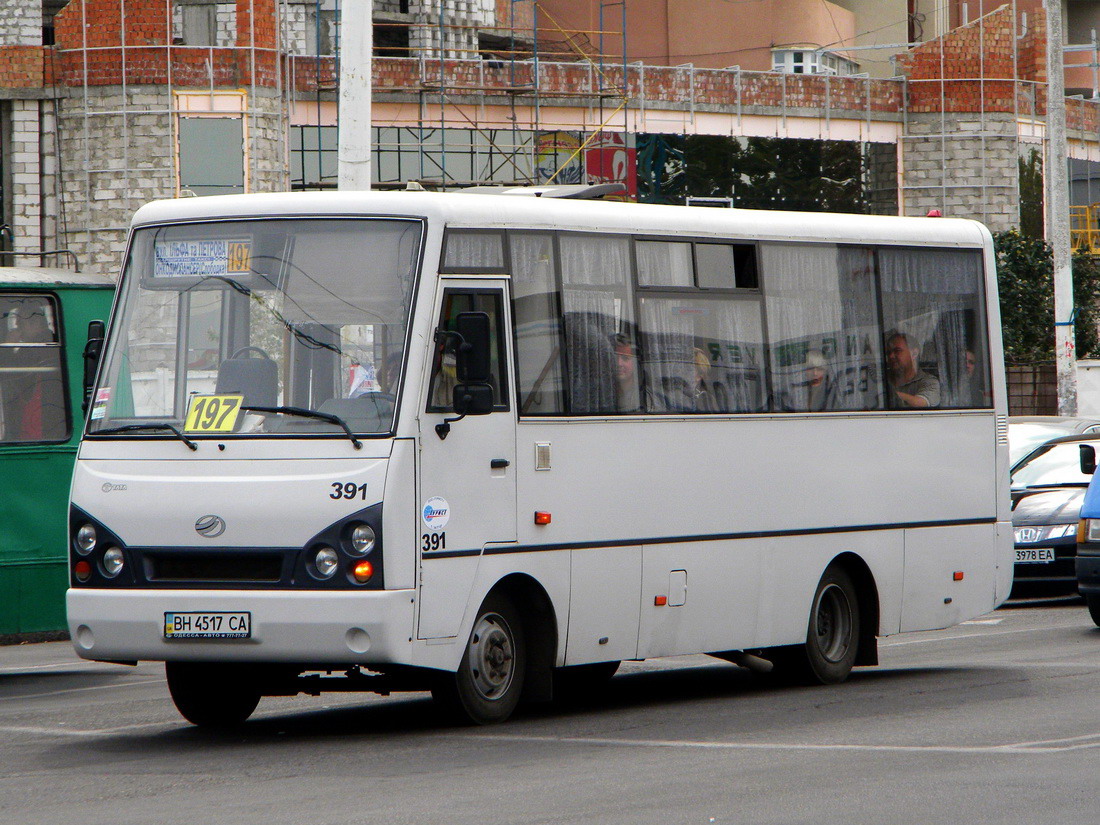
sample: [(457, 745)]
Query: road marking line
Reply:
[(984, 635), (112, 686), (72, 732), (1047, 746)]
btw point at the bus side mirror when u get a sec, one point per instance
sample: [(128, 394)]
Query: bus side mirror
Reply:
[(93, 351), (1088, 459), (473, 399), (473, 356)]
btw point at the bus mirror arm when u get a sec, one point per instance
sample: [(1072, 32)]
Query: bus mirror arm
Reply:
[(467, 399), (93, 351), (1088, 459)]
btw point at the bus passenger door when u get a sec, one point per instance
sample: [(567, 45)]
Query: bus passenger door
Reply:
[(467, 481)]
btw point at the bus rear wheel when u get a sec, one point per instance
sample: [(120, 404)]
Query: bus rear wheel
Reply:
[(832, 634), (489, 681), (212, 695)]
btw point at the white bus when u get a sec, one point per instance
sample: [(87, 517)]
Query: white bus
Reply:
[(486, 444)]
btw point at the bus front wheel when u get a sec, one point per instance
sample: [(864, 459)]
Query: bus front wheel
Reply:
[(1093, 601), (212, 695), (832, 634), (489, 681)]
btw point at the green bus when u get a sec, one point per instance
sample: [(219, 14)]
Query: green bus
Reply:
[(46, 319)]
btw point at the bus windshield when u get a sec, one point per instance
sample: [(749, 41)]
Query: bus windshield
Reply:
[(295, 316)]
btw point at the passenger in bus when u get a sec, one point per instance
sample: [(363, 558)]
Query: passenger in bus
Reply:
[(909, 385), (815, 390), (628, 391), (702, 393)]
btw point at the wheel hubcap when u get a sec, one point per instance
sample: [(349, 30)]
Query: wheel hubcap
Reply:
[(833, 620), (491, 656)]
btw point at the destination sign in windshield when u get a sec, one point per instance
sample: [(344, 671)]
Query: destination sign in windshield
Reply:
[(189, 259)]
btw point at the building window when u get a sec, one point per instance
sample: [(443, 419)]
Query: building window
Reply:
[(211, 152), (811, 61)]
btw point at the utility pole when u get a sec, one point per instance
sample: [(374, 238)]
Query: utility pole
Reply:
[(1057, 199), (356, 47)]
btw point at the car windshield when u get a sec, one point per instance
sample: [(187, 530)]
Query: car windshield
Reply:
[(1058, 465), (1026, 436), (220, 317)]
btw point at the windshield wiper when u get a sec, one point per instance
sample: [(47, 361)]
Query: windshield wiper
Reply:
[(1056, 486), (132, 427), (302, 411)]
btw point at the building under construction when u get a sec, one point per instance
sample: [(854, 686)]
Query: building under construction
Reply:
[(890, 107)]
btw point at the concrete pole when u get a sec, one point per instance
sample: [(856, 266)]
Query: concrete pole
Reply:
[(1057, 201), (356, 46)]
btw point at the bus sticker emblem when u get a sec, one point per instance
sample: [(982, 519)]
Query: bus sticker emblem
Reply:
[(436, 513)]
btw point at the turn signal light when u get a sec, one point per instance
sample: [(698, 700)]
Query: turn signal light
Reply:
[(542, 517), (362, 572), (82, 570), (660, 601), (958, 575)]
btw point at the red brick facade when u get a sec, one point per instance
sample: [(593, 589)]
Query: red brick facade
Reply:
[(971, 69)]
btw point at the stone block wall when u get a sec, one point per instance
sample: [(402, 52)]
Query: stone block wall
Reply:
[(965, 167), (20, 23)]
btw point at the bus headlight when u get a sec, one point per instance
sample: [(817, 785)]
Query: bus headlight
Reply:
[(325, 562), (113, 562), (362, 539), (85, 539)]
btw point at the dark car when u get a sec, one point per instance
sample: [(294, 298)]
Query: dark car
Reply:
[(1048, 488)]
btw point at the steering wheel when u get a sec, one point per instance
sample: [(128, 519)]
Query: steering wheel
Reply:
[(246, 350)]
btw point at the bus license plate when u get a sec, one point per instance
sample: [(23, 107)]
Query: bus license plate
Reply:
[(207, 625), (1034, 555)]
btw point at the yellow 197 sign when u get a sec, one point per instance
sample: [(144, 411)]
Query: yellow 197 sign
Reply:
[(212, 413)]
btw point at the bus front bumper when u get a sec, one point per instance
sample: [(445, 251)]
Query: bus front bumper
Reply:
[(315, 628)]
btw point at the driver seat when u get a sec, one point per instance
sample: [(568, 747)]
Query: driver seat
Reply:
[(257, 379)]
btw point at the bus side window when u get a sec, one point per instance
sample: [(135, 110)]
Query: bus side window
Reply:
[(444, 376), (33, 399)]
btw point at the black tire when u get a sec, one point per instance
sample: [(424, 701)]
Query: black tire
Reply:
[(577, 681), (832, 635), (1093, 601), (489, 681), (212, 695)]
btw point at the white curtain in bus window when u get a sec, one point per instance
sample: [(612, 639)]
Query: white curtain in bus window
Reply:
[(473, 252), (33, 405), (661, 263), (824, 340), (934, 330), (537, 317), (598, 323), (702, 355)]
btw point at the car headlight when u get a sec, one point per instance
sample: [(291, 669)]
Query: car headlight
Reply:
[(362, 539), (1092, 529)]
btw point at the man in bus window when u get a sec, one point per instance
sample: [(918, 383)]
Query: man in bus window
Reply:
[(909, 385), (628, 396)]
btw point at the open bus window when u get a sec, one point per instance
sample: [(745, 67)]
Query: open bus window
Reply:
[(33, 402)]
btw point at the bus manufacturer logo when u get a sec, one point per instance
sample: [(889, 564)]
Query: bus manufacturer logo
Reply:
[(210, 526), (436, 513), (110, 488)]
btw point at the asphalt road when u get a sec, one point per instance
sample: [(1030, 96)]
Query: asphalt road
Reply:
[(989, 722)]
